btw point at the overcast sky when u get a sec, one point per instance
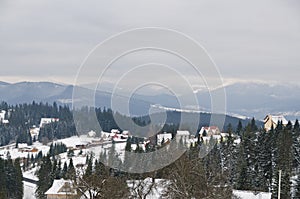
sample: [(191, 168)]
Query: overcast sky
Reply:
[(248, 40)]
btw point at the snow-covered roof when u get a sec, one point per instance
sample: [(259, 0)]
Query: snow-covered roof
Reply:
[(61, 187), (115, 131), (277, 118), (22, 145), (183, 133), (47, 121), (213, 129), (5, 121), (92, 133), (165, 136), (2, 117)]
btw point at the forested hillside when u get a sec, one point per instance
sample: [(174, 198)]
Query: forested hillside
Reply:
[(24, 116)]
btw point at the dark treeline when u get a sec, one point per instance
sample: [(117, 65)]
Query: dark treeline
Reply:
[(11, 185), (24, 116)]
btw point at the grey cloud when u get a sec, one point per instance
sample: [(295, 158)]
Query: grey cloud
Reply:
[(256, 39)]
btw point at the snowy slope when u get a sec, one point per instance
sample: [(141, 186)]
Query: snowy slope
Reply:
[(251, 195)]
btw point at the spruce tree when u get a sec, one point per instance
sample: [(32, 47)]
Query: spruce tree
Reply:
[(55, 170), (249, 154), (3, 180), (58, 171), (11, 180), (19, 179), (296, 145), (89, 169), (128, 144), (283, 162), (239, 128), (71, 173), (64, 171), (45, 177), (265, 168)]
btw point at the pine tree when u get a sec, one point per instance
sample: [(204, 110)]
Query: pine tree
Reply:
[(112, 158), (59, 168), (89, 169), (19, 179), (3, 179), (56, 169), (128, 144), (29, 139), (249, 154), (45, 177), (71, 173), (87, 159), (265, 168), (11, 180), (229, 153), (296, 145), (97, 168), (239, 128), (242, 181), (297, 127), (64, 171), (283, 162), (253, 125)]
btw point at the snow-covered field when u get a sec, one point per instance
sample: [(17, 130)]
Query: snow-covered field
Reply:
[(76, 140), (15, 152)]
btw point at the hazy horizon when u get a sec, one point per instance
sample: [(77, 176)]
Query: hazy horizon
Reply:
[(249, 40)]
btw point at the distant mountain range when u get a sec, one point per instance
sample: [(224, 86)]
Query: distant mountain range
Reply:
[(243, 99)]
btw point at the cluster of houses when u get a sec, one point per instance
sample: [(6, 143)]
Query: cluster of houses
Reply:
[(115, 135), (208, 132), (25, 148), (64, 189), (205, 133)]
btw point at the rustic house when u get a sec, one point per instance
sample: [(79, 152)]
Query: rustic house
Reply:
[(272, 120), (62, 189), (209, 131)]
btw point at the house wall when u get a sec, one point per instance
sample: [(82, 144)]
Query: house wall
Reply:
[(2, 115), (269, 123)]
